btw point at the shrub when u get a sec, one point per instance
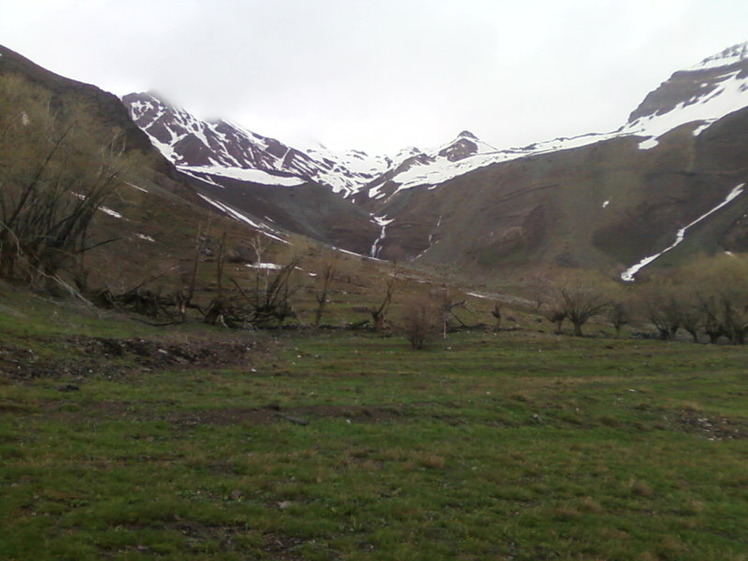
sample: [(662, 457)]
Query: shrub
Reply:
[(422, 321)]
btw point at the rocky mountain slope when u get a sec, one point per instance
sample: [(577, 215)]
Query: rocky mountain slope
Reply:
[(259, 180), (146, 230), (604, 200), (227, 150), (668, 184)]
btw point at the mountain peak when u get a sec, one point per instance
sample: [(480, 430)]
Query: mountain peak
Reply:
[(230, 150), (467, 134), (705, 92), (731, 55)]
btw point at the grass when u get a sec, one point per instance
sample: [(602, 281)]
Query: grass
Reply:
[(521, 445)]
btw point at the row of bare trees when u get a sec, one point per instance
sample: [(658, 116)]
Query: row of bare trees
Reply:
[(708, 298)]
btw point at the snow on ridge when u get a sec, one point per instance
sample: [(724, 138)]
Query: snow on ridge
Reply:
[(347, 172), (443, 170), (731, 55), (729, 95), (244, 174), (481, 147), (240, 217), (343, 172), (629, 274)]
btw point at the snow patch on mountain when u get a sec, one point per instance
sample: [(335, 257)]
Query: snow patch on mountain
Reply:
[(441, 169), (191, 143), (730, 95), (241, 217), (721, 95), (242, 174), (629, 274), (110, 212), (226, 149)]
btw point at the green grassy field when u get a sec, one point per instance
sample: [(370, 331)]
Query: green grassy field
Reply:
[(334, 445)]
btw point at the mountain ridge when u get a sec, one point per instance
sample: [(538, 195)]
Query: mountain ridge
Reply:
[(674, 120), (691, 94), (602, 200)]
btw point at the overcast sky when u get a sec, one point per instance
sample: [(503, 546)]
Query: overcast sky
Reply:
[(380, 75)]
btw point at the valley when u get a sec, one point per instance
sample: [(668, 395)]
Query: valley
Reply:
[(601, 200), (216, 346)]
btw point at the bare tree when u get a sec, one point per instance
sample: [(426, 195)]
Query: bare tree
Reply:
[(52, 183), (664, 311), (259, 244), (714, 326), (692, 317), (618, 315), (192, 280), (444, 299), (550, 304), (423, 320), (379, 313), (582, 303), (321, 296), (722, 296), (268, 305), (555, 313), (271, 304), (576, 296), (496, 313), (220, 264)]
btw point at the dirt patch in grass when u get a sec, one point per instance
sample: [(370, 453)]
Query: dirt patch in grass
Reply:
[(713, 427), (110, 357), (164, 354), (283, 548)]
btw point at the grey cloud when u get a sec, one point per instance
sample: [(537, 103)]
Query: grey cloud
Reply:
[(387, 73)]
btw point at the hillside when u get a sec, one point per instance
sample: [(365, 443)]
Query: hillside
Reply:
[(599, 200), (148, 221), (664, 187), (184, 378)]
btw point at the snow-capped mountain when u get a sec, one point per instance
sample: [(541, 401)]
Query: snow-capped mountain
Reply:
[(468, 201), (224, 149), (702, 94), (677, 165), (668, 184)]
